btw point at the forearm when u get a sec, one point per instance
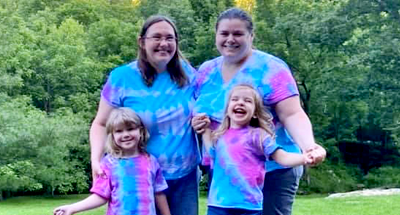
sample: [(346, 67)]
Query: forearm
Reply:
[(93, 201), (162, 204), (300, 129), (97, 141), (288, 159), (206, 138)]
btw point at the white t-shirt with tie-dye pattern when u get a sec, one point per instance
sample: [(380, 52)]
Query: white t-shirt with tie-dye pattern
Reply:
[(130, 184), (268, 74), (238, 175), (166, 112)]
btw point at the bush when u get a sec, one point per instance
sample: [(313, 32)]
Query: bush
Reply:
[(386, 176), (328, 178)]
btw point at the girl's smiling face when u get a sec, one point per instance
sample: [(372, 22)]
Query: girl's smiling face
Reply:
[(127, 137), (241, 107)]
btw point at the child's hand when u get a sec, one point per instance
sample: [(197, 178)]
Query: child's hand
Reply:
[(308, 157), (200, 122), (63, 210), (317, 154)]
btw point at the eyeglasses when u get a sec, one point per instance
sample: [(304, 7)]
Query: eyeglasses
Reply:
[(168, 39)]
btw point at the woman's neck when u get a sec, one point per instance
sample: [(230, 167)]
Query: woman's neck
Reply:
[(231, 67)]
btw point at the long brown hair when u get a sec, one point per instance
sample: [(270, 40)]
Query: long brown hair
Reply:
[(174, 66), (261, 118), (126, 117)]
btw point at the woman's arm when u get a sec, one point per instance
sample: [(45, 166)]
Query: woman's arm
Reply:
[(162, 204), (93, 201), (98, 136), (297, 123)]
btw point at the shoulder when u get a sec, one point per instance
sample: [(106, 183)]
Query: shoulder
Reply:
[(121, 72), (260, 134), (269, 59), (209, 65), (108, 161), (206, 69), (189, 70)]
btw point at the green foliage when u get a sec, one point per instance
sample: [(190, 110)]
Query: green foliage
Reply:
[(35, 148), (387, 177), (55, 56), (328, 178)]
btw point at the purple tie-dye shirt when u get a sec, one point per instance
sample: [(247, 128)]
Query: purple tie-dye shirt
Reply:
[(130, 184), (238, 174), (165, 110), (268, 74)]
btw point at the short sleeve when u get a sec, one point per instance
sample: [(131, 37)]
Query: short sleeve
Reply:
[(159, 181), (102, 185), (269, 146), (278, 82), (113, 89)]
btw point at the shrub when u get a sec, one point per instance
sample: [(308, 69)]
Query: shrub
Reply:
[(386, 176)]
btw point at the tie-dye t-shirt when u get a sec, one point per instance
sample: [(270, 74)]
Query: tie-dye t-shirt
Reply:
[(130, 184), (238, 175), (166, 112), (268, 74)]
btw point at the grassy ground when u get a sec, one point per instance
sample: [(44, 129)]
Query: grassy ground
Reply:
[(304, 205)]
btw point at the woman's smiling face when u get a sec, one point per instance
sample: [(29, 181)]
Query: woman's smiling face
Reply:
[(159, 44), (233, 39)]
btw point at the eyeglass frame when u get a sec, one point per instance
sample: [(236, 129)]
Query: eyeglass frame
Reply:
[(159, 39)]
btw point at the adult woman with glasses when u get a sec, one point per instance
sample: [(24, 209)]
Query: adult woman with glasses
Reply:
[(272, 78), (158, 87)]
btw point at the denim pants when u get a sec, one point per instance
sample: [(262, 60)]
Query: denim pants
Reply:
[(231, 211), (183, 194), (280, 188)]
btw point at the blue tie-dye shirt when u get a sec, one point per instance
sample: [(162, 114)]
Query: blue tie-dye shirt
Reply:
[(130, 184), (238, 174), (166, 112), (268, 74)]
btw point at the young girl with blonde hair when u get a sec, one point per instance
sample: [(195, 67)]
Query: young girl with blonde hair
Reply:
[(133, 181), (239, 148)]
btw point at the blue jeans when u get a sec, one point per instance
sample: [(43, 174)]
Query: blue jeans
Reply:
[(231, 211), (183, 194), (280, 188)]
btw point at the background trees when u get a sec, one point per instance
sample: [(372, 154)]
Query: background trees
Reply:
[(55, 56)]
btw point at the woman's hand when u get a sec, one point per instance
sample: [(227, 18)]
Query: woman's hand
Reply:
[(97, 171), (200, 122), (317, 153)]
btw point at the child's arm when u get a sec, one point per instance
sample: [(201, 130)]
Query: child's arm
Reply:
[(206, 137), (93, 201), (162, 204), (291, 159)]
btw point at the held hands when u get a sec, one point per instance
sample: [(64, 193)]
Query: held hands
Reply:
[(314, 155), (200, 122)]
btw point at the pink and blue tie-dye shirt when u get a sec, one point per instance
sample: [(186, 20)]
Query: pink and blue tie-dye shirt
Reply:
[(268, 74), (130, 184), (165, 110), (238, 174)]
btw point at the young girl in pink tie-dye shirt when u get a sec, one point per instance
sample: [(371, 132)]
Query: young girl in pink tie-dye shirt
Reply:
[(239, 148), (133, 181)]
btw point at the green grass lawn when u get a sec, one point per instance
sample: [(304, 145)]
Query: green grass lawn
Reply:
[(304, 205)]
